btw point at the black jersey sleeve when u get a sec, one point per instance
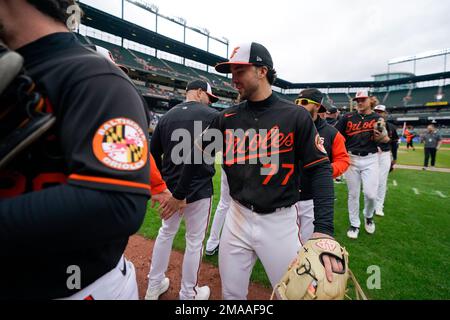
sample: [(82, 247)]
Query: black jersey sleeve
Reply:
[(156, 147), (316, 166), (68, 218), (104, 136), (309, 143), (393, 129), (322, 190), (341, 124), (190, 167)]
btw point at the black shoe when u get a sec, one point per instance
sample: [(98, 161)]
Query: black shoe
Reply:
[(212, 252)]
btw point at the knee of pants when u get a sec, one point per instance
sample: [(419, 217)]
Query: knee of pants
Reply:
[(237, 294), (353, 194), (371, 195), (167, 233), (194, 240)]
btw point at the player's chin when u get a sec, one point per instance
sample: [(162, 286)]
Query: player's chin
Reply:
[(243, 95)]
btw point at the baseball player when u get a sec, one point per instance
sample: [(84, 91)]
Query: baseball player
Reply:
[(358, 128), (70, 201), (212, 245), (334, 143), (395, 141), (333, 116), (373, 101), (185, 116), (384, 160), (409, 135), (266, 140)]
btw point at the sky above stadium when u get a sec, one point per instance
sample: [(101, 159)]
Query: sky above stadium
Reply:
[(312, 41)]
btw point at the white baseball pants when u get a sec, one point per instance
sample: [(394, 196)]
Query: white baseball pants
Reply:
[(219, 216), (114, 285), (246, 236), (362, 169), (384, 162), (306, 217), (196, 215)]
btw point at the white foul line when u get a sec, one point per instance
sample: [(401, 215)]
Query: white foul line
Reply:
[(415, 191), (394, 183), (440, 194)]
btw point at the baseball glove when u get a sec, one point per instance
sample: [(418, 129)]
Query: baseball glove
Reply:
[(22, 121), (381, 127), (306, 279)]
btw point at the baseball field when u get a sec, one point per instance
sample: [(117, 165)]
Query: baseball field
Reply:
[(408, 256)]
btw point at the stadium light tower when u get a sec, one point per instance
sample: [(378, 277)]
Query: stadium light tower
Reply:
[(183, 22), (227, 42), (206, 32), (420, 56)]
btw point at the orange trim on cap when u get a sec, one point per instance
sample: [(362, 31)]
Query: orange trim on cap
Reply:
[(122, 183)]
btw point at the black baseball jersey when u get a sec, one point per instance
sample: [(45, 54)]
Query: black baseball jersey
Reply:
[(100, 139), (357, 130), (273, 127), (392, 133), (195, 118), (327, 133), (75, 196)]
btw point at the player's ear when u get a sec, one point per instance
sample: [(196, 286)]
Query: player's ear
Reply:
[(262, 72)]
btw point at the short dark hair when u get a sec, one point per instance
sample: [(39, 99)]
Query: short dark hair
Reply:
[(271, 76), (57, 9)]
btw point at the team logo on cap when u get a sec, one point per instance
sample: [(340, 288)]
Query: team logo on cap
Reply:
[(235, 51), (121, 144)]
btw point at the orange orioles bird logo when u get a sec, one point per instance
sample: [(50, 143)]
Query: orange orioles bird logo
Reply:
[(235, 50)]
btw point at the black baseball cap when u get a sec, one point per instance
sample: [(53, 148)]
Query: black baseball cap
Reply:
[(314, 95), (252, 53), (205, 86), (332, 110)]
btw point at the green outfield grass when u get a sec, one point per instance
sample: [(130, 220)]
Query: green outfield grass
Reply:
[(410, 246), (416, 158)]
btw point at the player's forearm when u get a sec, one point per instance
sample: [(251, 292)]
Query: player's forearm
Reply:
[(157, 183), (340, 166), (341, 159), (323, 195), (35, 220)]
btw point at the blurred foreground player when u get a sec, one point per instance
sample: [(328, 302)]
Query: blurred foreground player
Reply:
[(70, 201)]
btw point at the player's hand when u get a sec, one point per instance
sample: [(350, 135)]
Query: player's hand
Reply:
[(380, 137), (377, 135), (172, 205), (161, 197), (330, 263)]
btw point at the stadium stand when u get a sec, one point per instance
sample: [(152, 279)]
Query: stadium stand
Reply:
[(162, 82)]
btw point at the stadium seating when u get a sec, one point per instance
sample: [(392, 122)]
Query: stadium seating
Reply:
[(399, 102), (138, 60), (121, 55), (338, 99)]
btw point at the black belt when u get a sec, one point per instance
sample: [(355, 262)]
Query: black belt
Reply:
[(361, 154), (257, 209)]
